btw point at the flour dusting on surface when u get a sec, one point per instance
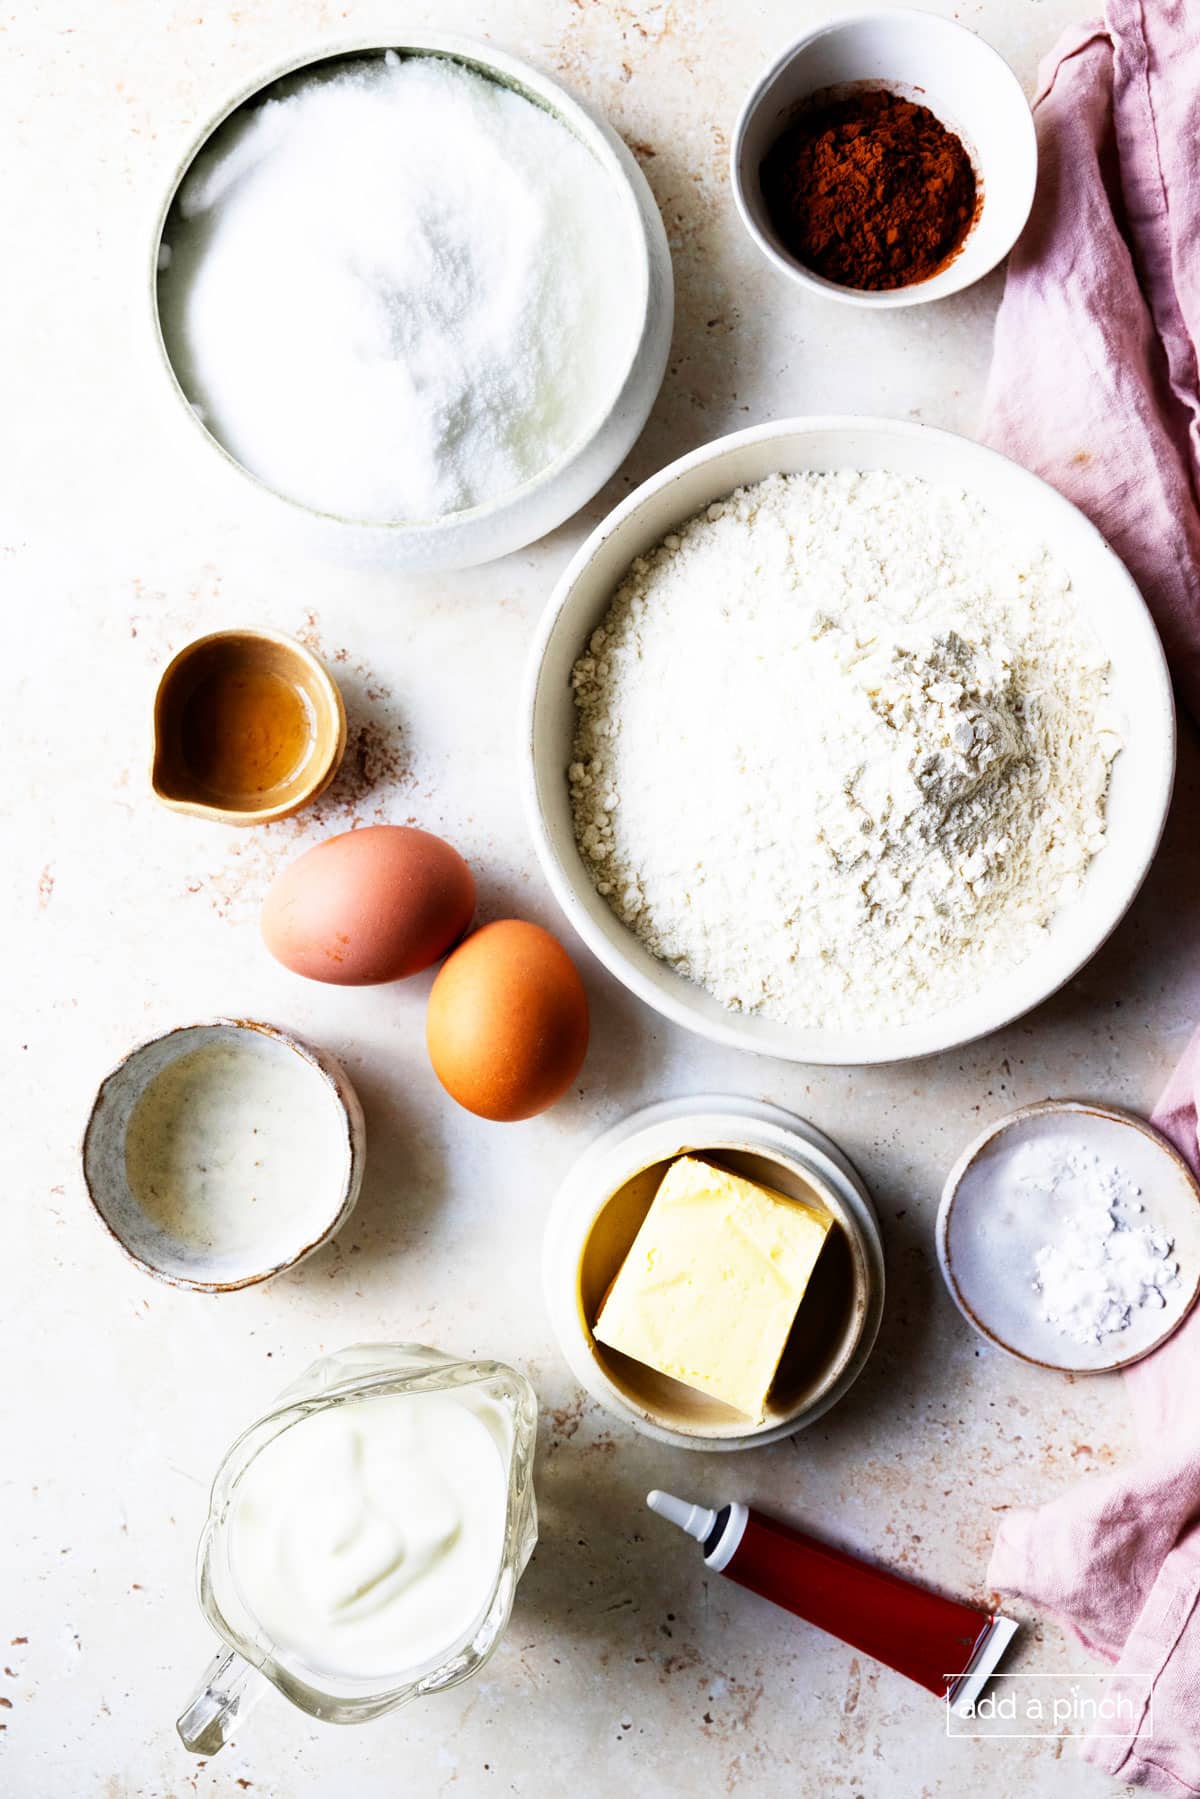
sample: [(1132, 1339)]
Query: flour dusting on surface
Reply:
[(843, 748)]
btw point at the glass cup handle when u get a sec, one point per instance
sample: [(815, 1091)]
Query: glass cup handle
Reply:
[(228, 1689)]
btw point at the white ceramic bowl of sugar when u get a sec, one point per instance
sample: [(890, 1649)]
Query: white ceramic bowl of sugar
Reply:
[(965, 84), (1142, 776), (630, 384)]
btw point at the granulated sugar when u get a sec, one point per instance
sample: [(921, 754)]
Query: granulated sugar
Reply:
[(400, 291), (843, 748)]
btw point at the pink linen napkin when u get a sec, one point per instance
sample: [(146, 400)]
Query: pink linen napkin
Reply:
[(1117, 1558), (1095, 385), (1094, 382)]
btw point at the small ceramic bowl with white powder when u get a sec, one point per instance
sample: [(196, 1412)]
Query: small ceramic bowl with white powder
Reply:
[(416, 295), (1069, 1236), (222, 1153)]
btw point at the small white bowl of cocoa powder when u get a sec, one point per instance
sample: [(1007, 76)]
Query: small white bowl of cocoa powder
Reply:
[(886, 159)]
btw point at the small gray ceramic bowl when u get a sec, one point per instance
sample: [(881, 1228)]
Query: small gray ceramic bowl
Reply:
[(481, 533), (262, 1134)]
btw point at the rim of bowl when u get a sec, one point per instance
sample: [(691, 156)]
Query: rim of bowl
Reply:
[(758, 1128), (326, 770), (349, 1106), (567, 891), (917, 293), (542, 91), (1037, 1109)]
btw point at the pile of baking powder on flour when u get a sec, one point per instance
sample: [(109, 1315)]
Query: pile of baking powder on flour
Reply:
[(843, 748)]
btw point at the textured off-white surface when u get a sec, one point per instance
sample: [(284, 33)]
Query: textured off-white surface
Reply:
[(626, 1669)]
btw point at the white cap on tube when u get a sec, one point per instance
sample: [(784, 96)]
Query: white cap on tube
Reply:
[(697, 1520)]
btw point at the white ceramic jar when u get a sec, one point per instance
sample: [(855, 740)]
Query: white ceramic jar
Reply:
[(596, 1214)]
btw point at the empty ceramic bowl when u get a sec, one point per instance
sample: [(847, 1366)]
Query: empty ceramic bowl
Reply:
[(249, 726), (965, 84), (596, 1216), (221, 1153)]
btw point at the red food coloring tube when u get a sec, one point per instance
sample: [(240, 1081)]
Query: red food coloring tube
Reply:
[(945, 1646)]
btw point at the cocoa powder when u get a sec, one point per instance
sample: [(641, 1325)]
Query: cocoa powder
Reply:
[(870, 190)]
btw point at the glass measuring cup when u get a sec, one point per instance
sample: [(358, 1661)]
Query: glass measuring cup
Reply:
[(239, 1674)]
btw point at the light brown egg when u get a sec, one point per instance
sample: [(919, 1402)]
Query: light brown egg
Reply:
[(507, 1025), (371, 905)]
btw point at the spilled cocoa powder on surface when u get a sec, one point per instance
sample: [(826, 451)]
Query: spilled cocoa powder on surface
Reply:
[(376, 769)]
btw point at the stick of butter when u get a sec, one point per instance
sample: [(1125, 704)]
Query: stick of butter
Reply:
[(712, 1282)]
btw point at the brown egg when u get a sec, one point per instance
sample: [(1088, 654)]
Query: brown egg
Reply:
[(507, 1025), (371, 905)]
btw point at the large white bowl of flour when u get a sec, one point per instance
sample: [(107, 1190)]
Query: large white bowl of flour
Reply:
[(417, 297), (772, 818)]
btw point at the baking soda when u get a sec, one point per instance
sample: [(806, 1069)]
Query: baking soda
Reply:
[(1106, 1260), (399, 292)]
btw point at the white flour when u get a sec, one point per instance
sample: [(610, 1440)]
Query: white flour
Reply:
[(843, 745), (1105, 1261)]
